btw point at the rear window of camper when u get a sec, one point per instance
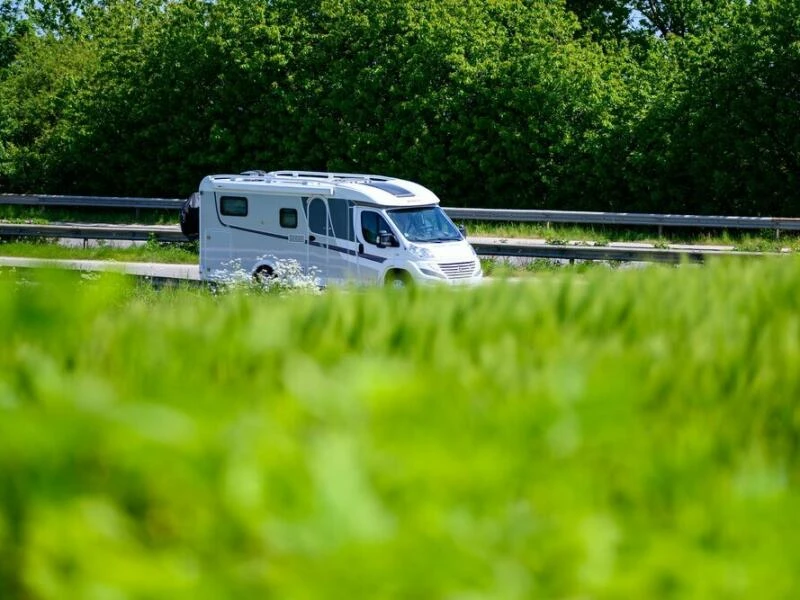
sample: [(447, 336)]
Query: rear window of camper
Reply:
[(288, 218), (233, 206)]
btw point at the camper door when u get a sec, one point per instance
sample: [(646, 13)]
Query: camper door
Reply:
[(372, 254), (331, 239)]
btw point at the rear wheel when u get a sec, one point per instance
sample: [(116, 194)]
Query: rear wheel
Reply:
[(263, 274)]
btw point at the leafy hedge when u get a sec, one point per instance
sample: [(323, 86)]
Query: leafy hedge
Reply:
[(508, 104), (621, 434)]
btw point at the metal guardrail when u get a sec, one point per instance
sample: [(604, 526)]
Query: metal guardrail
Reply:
[(637, 219), (93, 201), (462, 214), (605, 253), (165, 233), (483, 246)]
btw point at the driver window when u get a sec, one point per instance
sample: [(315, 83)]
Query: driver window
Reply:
[(371, 224)]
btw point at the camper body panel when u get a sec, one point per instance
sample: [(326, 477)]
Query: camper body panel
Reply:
[(253, 240)]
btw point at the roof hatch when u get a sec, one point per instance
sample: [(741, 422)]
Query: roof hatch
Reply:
[(391, 188)]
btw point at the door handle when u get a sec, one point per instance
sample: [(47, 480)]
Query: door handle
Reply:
[(312, 238), (361, 248)]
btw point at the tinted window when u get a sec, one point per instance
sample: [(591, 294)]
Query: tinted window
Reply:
[(288, 218), (424, 224), (318, 216), (233, 206), (371, 224), (341, 218)]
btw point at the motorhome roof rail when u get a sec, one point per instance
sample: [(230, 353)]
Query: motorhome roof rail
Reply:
[(225, 176), (327, 176)]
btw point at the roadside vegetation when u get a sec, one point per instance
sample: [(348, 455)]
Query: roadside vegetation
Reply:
[(745, 240), (632, 435), (151, 251)]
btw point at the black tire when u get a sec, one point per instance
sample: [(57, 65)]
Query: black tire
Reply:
[(398, 280), (263, 273)]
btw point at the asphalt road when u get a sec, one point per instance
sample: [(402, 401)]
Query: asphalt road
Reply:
[(156, 270)]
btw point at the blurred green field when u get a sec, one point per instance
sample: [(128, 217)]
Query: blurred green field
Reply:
[(609, 434)]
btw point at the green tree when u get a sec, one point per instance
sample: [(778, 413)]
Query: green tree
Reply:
[(58, 17), (720, 135), (13, 27), (509, 103), (603, 18), (676, 17), (741, 125), (464, 96), (39, 104), (8, 23)]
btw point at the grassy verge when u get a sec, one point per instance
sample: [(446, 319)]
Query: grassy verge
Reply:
[(751, 241), (151, 251), (633, 435)]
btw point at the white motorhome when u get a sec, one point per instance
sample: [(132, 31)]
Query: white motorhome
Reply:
[(341, 226)]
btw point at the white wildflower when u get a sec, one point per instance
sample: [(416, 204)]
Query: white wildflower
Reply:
[(287, 277)]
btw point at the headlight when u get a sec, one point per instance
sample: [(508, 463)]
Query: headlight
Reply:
[(420, 252), (432, 273)]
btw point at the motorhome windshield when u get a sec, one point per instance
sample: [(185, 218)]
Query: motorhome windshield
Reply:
[(424, 224)]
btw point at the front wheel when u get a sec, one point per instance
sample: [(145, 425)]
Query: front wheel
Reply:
[(398, 280)]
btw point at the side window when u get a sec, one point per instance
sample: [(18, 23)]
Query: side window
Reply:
[(341, 218), (371, 224), (233, 206), (288, 218), (318, 216)]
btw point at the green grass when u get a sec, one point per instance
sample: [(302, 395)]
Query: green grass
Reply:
[(151, 251), (497, 268), (745, 240), (625, 434)]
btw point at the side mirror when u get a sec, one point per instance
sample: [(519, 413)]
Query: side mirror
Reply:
[(462, 230), (386, 239)]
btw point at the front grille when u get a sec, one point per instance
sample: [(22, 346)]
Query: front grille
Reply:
[(459, 270)]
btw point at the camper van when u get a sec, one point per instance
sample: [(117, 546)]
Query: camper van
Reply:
[(343, 227)]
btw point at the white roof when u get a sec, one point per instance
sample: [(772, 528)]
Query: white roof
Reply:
[(379, 190)]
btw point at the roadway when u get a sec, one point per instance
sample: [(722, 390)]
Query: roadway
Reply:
[(139, 269)]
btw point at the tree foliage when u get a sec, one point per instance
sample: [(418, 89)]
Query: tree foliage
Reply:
[(604, 18), (504, 103)]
